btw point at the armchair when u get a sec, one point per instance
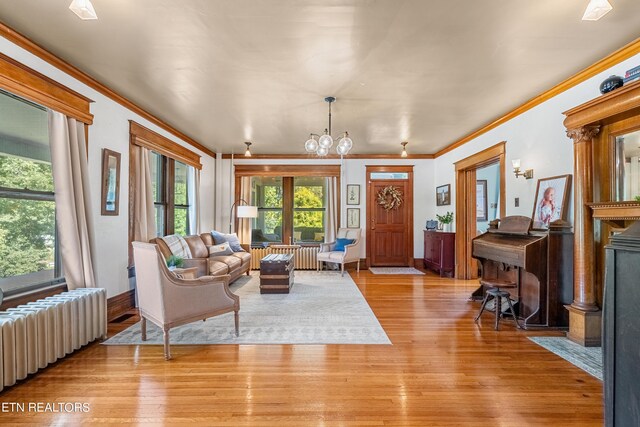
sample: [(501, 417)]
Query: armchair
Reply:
[(351, 252), (169, 301)]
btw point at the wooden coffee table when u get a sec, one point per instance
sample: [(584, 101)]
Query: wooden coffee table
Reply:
[(276, 273)]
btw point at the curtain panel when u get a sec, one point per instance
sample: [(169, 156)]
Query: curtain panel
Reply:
[(143, 212), (73, 201), (331, 217)]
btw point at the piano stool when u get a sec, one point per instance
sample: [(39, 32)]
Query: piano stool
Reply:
[(497, 295)]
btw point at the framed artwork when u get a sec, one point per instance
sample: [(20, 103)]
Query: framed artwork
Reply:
[(443, 195), (110, 201), (353, 194), (481, 200), (353, 217), (552, 201)]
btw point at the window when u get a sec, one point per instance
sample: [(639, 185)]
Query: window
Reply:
[(290, 209), (29, 256), (172, 195)]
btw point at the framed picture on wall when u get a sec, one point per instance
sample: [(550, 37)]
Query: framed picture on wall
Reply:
[(552, 201), (353, 217), (353, 194), (443, 195), (110, 203), (481, 200)]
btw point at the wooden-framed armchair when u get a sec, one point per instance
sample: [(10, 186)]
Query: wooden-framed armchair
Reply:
[(351, 251), (169, 301)]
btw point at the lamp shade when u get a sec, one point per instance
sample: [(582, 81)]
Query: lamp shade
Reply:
[(84, 9), (247, 212)]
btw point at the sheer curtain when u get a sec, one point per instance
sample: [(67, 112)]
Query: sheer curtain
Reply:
[(331, 217), (244, 224), (194, 200), (73, 207), (143, 214)]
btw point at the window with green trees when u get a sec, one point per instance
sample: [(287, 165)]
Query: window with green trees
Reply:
[(29, 255), (172, 184), (290, 209)]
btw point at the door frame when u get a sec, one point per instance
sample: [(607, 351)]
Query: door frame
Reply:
[(466, 267), (408, 200)]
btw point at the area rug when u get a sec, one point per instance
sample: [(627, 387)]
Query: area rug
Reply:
[(322, 308), (589, 359), (395, 270)]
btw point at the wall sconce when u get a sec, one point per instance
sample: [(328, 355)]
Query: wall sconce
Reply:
[(528, 174), (248, 152)]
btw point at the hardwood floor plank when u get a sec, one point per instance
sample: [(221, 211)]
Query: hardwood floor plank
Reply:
[(442, 369)]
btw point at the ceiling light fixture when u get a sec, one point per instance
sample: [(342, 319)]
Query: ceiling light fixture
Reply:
[(324, 142), (248, 152), (404, 149), (84, 9), (596, 9)]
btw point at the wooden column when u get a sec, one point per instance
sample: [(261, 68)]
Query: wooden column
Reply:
[(584, 313)]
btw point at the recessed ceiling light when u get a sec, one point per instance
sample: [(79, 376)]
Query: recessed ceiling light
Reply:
[(596, 9), (84, 9)]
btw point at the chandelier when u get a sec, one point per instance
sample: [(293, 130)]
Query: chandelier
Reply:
[(320, 144)]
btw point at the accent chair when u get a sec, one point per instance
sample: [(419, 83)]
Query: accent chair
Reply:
[(168, 301), (351, 251)]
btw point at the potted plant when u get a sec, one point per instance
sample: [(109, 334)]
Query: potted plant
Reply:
[(446, 220), (174, 262)]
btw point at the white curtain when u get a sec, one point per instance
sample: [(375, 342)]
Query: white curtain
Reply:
[(244, 224), (144, 222), (194, 200), (331, 217), (73, 207)]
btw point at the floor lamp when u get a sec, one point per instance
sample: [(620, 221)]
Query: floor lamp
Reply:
[(242, 211)]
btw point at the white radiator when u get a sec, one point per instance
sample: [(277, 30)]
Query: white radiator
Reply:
[(41, 332), (306, 257)]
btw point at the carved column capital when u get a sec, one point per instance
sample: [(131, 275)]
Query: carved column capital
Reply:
[(585, 133)]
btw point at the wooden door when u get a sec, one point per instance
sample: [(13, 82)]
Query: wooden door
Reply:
[(390, 231)]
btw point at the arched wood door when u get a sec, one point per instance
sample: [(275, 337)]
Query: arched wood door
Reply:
[(389, 232)]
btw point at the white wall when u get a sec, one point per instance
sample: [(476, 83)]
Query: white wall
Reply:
[(353, 172), (110, 129), (537, 137)]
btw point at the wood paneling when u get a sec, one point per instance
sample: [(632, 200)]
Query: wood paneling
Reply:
[(609, 61), (442, 369), (30, 84), (466, 266), (27, 44), (147, 138), (120, 304), (287, 170)]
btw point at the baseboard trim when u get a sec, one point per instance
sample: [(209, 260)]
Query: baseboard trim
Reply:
[(120, 304)]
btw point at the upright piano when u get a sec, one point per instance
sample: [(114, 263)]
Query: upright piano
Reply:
[(535, 261)]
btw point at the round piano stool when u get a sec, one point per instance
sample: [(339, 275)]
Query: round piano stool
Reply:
[(497, 295)]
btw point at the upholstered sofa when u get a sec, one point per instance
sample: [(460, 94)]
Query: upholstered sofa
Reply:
[(234, 265)]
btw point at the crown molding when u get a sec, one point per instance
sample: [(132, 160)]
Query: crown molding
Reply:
[(328, 157), (37, 50), (605, 63)]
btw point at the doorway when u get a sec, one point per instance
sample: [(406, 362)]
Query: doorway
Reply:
[(470, 208), (390, 216)]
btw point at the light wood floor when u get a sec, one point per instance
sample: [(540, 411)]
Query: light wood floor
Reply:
[(442, 369)]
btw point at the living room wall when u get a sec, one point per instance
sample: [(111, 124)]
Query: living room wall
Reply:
[(537, 137), (111, 130), (354, 172)]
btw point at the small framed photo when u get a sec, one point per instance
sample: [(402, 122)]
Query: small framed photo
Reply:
[(481, 200), (353, 217), (443, 195), (110, 202), (353, 194), (551, 202)]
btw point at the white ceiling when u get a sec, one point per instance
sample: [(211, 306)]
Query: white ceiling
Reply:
[(427, 72)]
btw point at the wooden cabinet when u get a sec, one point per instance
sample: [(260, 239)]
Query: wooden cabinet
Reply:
[(621, 329), (440, 252)]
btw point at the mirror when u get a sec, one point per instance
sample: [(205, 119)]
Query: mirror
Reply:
[(627, 167), (110, 182)]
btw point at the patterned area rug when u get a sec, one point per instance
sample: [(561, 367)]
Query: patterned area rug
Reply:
[(322, 308), (589, 359), (395, 270)]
